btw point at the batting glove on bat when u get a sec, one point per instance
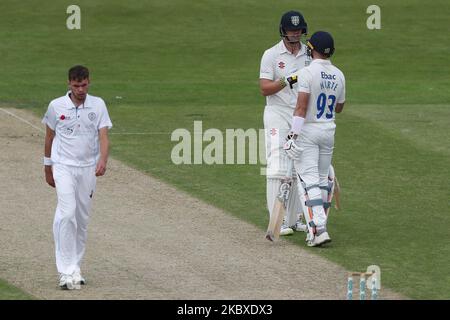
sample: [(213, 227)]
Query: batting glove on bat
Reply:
[(291, 147)]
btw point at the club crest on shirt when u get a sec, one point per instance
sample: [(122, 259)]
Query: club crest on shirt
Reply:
[(92, 116), (281, 65), (64, 117)]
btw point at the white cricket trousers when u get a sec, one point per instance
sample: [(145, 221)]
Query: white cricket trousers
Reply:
[(74, 187), (316, 142)]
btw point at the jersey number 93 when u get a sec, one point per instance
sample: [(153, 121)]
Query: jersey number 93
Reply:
[(322, 103)]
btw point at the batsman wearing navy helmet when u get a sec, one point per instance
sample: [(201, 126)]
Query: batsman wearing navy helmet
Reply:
[(293, 21), (280, 66), (321, 94)]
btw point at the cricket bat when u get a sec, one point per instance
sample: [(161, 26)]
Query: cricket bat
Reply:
[(279, 208)]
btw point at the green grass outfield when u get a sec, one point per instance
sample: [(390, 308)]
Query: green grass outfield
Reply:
[(162, 65), (9, 292)]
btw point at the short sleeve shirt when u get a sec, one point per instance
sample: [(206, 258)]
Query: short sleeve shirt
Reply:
[(76, 141), (278, 62)]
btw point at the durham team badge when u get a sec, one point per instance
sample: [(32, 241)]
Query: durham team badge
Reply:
[(92, 116)]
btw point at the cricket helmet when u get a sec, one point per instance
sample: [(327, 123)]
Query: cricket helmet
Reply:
[(322, 42), (293, 20)]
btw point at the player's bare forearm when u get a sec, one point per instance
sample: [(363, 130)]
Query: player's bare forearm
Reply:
[(104, 144), (104, 152), (270, 87), (302, 104), (49, 136)]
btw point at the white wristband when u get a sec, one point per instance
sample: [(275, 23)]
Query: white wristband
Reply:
[(297, 124), (48, 161)]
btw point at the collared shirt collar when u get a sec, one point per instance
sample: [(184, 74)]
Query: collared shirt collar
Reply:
[(283, 48), (321, 61), (71, 105)]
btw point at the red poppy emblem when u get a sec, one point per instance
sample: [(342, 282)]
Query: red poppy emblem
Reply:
[(62, 117), (281, 65)]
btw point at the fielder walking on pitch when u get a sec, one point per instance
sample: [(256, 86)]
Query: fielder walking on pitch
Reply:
[(321, 88), (76, 152)]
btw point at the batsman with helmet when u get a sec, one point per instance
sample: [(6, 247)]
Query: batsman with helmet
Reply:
[(321, 94)]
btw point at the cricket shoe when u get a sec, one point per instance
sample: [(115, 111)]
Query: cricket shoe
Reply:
[(78, 278), (285, 230), (309, 236), (319, 240), (300, 226), (66, 282)]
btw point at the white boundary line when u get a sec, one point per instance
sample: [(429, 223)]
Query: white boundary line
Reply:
[(23, 120), (115, 133), (140, 133)]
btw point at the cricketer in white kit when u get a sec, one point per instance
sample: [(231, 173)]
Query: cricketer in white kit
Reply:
[(76, 152), (280, 66), (321, 88)]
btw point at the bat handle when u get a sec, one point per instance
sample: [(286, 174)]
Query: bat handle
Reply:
[(290, 168)]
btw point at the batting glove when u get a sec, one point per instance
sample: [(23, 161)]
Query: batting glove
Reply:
[(289, 80), (291, 147)]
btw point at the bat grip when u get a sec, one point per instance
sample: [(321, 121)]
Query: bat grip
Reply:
[(290, 168), (286, 183)]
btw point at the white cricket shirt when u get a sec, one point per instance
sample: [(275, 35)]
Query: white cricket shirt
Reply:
[(278, 62), (326, 85), (76, 141)]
